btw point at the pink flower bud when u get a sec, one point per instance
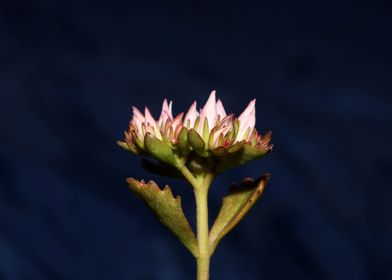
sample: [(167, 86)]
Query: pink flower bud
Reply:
[(228, 140)]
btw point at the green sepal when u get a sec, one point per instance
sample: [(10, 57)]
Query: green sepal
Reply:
[(251, 152), (168, 210), (183, 141), (139, 143), (237, 146), (220, 151), (206, 131), (123, 145), (196, 142), (127, 147), (235, 206), (246, 152), (236, 127), (159, 149), (211, 139)]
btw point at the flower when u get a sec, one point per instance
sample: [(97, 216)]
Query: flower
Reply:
[(210, 133)]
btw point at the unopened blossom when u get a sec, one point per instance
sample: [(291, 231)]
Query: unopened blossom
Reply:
[(208, 133)]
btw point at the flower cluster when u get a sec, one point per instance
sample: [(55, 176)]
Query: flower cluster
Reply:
[(222, 139)]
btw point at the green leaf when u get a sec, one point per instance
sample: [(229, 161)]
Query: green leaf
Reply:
[(168, 210), (235, 206)]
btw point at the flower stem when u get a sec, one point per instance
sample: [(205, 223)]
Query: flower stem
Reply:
[(200, 185), (203, 258)]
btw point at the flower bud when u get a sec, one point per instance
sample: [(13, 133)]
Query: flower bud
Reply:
[(224, 141)]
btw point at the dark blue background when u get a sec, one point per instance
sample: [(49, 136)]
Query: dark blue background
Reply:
[(70, 71)]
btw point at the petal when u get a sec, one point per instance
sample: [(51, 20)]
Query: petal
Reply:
[(150, 121), (177, 122), (225, 126), (137, 120), (209, 112), (191, 115), (149, 117), (166, 112), (220, 109), (137, 114), (247, 120), (222, 131), (227, 121), (136, 125)]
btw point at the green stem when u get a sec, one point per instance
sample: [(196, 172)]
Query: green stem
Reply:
[(189, 176), (201, 185), (203, 258)]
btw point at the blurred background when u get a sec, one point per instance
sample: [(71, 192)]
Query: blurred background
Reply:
[(70, 72)]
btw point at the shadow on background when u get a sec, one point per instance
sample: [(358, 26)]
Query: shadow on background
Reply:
[(70, 71)]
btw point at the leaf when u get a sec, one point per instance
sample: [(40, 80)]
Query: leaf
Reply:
[(235, 206), (168, 210)]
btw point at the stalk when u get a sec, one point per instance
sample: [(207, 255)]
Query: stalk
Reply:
[(203, 259), (201, 185)]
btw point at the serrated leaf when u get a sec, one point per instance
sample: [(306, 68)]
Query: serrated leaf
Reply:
[(235, 206), (168, 210)]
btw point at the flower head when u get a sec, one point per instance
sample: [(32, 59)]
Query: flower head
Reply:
[(221, 140)]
